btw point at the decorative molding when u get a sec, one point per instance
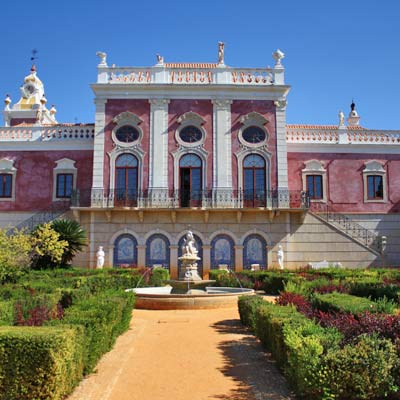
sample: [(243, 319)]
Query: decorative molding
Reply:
[(315, 167), (222, 103), (374, 168), (127, 117), (253, 118), (280, 104), (187, 119), (64, 166), (191, 118)]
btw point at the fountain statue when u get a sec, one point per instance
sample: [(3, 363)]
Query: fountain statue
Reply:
[(189, 258)]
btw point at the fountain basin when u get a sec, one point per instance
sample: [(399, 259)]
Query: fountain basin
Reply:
[(183, 286), (161, 298)]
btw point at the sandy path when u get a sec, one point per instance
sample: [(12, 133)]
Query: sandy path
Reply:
[(179, 355)]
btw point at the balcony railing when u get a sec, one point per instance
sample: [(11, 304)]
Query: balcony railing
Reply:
[(206, 199)]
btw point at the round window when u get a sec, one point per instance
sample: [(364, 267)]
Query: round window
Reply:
[(127, 134), (253, 134), (190, 134)]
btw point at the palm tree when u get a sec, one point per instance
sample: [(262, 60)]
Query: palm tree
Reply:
[(73, 233)]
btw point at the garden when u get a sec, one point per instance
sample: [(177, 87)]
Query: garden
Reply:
[(335, 334), (57, 321)]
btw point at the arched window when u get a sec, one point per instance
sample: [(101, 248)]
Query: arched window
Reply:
[(254, 181), (125, 250), (126, 180), (254, 251), (190, 180), (222, 252), (199, 247), (157, 251)]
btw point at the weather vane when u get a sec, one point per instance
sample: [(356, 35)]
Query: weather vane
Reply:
[(34, 53)]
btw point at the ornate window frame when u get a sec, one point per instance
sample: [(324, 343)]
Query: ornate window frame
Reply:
[(266, 155), (374, 168), (64, 166), (187, 119), (127, 118), (253, 119), (7, 167), (315, 167)]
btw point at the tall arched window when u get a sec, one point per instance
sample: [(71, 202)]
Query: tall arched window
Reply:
[(199, 247), (125, 250), (222, 252), (254, 181), (126, 180), (190, 180), (157, 251), (254, 251)]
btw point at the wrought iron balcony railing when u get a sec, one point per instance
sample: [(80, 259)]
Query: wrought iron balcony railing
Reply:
[(207, 199)]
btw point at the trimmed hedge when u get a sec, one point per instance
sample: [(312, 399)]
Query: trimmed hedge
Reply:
[(312, 359), (39, 363)]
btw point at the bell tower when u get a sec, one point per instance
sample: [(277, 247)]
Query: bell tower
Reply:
[(31, 107)]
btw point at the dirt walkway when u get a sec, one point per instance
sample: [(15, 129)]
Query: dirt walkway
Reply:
[(182, 355)]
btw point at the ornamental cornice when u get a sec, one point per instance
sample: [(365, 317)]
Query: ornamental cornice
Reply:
[(159, 102), (127, 116), (222, 103), (280, 104)]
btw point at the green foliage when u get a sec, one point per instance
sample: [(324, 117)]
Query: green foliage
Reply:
[(14, 255), (6, 313), (39, 363), (363, 370), (71, 232), (247, 310), (343, 302), (48, 249), (158, 276)]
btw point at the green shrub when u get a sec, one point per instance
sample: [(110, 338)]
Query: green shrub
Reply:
[(39, 363), (343, 302), (247, 309), (363, 370), (6, 313), (158, 276), (274, 282)]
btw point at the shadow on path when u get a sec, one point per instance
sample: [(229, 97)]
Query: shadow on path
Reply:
[(250, 366)]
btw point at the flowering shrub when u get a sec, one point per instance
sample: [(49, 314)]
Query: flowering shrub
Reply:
[(330, 288), (300, 302)]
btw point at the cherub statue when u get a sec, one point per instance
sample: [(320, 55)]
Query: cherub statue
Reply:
[(189, 245)]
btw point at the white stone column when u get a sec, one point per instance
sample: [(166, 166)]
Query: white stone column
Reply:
[(173, 261), (206, 260), (281, 151), (141, 256), (158, 171), (98, 150), (222, 151), (238, 258)]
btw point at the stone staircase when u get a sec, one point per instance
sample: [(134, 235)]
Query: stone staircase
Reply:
[(42, 217), (368, 239)]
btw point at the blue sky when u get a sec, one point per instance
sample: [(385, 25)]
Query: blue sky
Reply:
[(335, 50)]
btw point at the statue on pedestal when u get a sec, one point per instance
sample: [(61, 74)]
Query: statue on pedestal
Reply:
[(221, 46), (280, 256), (100, 257)]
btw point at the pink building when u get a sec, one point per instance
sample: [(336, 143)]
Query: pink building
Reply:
[(206, 146)]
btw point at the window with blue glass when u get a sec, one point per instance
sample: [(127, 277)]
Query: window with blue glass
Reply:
[(5, 185), (314, 187), (65, 185), (125, 250), (222, 252), (254, 251), (199, 248), (157, 251), (254, 181), (375, 187)]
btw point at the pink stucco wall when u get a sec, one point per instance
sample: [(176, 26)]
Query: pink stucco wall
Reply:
[(204, 108), (345, 190), (34, 179), (141, 108), (265, 108)]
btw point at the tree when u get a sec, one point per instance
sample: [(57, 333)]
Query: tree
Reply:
[(73, 234)]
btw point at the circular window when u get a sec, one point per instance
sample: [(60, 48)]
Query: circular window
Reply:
[(190, 134), (254, 134), (127, 134)]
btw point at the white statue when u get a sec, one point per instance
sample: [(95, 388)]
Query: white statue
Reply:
[(100, 257), (280, 256), (160, 59), (221, 46), (103, 58), (189, 245), (341, 118)]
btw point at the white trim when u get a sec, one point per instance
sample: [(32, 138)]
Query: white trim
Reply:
[(64, 166), (253, 119), (190, 118), (130, 119), (7, 167), (315, 167), (374, 168)]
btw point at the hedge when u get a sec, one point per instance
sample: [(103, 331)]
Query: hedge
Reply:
[(312, 359), (39, 363)]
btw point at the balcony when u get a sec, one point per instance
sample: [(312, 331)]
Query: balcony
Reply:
[(181, 199)]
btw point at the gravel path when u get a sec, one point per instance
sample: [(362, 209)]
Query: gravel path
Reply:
[(182, 355)]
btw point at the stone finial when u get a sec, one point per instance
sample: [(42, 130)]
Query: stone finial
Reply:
[(53, 111), (221, 53), (160, 59), (103, 58), (278, 56), (354, 118), (7, 102), (341, 118)]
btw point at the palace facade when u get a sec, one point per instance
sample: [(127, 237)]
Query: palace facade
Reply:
[(205, 146)]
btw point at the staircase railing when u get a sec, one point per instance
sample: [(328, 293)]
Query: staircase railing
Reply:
[(356, 231), (42, 217)]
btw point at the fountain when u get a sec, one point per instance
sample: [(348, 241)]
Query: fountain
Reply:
[(190, 291)]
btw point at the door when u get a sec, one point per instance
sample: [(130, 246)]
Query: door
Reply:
[(254, 181), (126, 181), (190, 181)]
